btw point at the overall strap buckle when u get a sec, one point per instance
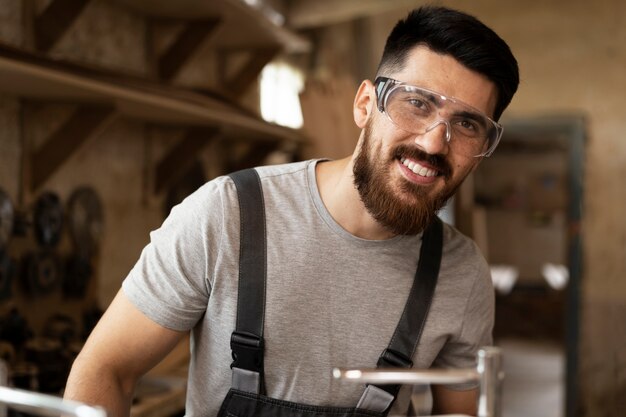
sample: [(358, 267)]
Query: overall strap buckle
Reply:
[(247, 365), (247, 351), (392, 359)]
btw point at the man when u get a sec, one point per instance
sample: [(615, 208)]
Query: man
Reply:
[(343, 243)]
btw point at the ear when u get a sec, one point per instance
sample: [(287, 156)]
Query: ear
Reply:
[(364, 103)]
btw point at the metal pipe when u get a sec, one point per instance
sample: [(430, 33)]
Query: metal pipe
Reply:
[(491, 376), (407, 376), (488, 373), (46, 405)]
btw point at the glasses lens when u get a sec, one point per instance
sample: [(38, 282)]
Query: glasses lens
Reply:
[(417, 110)]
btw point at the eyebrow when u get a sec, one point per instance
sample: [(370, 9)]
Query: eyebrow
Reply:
[(431, 97)]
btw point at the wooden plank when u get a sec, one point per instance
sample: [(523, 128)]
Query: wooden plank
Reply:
[(243, 25), (176, 163), (82, 125), (55, 20), (185, 45), (304, 14), (33, 76)]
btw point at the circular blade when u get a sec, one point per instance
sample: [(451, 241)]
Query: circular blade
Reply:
[(48, 218), (85, 219), (6, 219), (44, 273)]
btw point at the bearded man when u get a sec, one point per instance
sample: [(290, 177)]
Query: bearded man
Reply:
[(284, 272)]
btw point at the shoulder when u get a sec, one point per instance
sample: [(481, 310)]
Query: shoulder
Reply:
[(282, 172), (464, 262), (459, 248)]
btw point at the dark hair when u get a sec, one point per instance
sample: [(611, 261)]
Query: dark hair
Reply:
[(460, 35)]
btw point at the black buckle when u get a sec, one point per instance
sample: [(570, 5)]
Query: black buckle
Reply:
[(392, 359), (247, 351)]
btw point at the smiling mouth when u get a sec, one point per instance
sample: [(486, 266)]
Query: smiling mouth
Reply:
[(419, 169)]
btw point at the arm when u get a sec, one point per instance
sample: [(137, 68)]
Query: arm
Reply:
[(447, 401), (123, 346)]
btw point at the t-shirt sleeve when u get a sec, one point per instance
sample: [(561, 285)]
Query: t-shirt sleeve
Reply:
[(476, 331), (171, 281)]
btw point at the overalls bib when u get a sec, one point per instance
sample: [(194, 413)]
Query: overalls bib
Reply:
[(246, 397)]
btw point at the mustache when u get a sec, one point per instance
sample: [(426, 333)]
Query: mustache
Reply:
[(437, 161)]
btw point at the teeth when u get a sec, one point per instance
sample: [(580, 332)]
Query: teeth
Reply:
[(418, 169)]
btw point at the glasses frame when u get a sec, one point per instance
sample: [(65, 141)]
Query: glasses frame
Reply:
[(384, 86)]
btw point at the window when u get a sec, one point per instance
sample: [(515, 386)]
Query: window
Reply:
[(281, 85)]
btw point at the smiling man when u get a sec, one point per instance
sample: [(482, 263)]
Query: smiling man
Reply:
[(283, 272)]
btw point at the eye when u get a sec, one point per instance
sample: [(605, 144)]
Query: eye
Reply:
[(468, 124), (418, 103), (469, 127)]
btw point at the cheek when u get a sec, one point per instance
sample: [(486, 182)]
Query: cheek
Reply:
[(463, 167)]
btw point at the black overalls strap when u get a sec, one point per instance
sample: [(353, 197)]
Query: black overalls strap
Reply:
[(246, 394), (409, 329), (247, 340)]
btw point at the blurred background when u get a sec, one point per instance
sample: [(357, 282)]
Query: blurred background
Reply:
[(112, 111)]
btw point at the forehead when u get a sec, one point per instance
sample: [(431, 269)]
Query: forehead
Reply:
[(444, 74)]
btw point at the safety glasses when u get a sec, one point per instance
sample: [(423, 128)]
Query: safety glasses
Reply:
[(418, 110)]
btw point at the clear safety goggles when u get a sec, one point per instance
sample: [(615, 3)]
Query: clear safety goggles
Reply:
[(418, 110)]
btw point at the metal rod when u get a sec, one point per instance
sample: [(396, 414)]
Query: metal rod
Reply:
[(488, 373), (491, 376), (407, 376), (46, 405)]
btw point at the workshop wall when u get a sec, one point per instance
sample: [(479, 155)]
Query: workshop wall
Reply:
[(117, 162)]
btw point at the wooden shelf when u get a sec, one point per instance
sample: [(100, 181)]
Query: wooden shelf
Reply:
[(37, 77), (243, 25)]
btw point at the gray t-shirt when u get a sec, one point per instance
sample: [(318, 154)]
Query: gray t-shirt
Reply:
[(333, 299)]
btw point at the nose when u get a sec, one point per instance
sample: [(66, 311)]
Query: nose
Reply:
[(435, 140)]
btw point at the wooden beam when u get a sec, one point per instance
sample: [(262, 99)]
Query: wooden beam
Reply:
[(55, 20), (185, 45), (254, 155), (82, 125), (182, 156), (237, 83), (308, 14), (33, 76)]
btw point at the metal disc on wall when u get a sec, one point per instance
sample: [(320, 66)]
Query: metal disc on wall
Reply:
[(43, 272), (85, 220), (48, 219), (6, 219)]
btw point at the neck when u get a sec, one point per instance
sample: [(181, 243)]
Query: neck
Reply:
[(336, 186)]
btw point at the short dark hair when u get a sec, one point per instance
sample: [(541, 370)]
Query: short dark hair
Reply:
[(460, 35)]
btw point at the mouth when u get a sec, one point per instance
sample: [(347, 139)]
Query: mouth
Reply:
[(419, 169), (420, 166)]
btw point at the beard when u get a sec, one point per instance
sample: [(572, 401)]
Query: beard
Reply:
[(410, 209)]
